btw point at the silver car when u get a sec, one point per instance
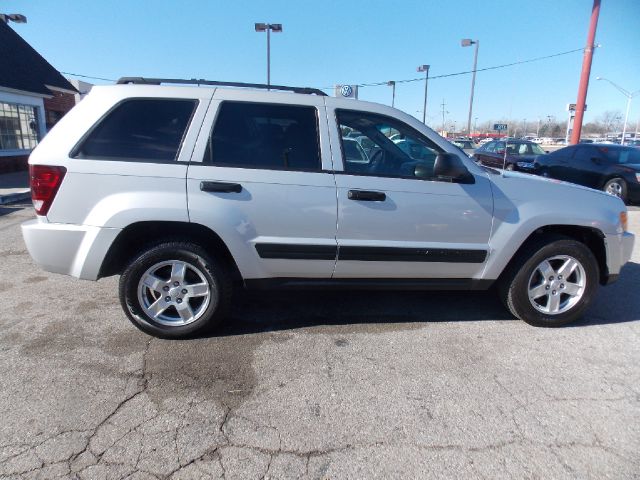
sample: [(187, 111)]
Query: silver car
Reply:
[(188, 192)]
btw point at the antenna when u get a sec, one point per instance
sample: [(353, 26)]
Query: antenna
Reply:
[(504, 159)]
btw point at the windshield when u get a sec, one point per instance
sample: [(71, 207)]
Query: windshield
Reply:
[(536, 149)]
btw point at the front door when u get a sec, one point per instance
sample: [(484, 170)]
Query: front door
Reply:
[(395, 219)]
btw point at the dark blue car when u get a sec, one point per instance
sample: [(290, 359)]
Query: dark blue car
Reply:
[(612, 168)]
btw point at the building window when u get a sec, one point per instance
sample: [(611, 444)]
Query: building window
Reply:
[(18, 126)]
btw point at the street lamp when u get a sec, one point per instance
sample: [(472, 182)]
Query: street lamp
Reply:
[(268, 27), (467, 42), (425, 69), (13, 17), (392, 84), (629, 96)]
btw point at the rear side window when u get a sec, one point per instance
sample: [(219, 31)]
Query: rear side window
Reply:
[(139, 130), (267, 136)]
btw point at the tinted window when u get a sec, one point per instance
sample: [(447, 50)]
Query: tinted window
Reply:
[(260, 135), (399, 150), (566, 152), (490, 147), (621, 155), (585, 154), (139, 130)]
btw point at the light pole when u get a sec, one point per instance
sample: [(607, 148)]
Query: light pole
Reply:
[(392, 84), (629, 96), (13, 17), (425, 69), (467, 42), (268, 27), (475, 125)]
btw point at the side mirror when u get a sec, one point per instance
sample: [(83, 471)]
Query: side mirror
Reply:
[(449, 165)]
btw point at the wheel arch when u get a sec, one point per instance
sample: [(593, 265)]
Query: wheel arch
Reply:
[(593, 238), (141, 235)]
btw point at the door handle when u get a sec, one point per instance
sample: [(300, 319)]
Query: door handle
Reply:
[(366, 196), (220, 187)]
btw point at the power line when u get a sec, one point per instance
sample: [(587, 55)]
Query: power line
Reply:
[(421, 79), (88, 76), (410, 80)]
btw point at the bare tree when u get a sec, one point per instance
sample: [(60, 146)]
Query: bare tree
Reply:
[(611, 120)]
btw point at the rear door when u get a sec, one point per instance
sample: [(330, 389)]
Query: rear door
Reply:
[(261, 178)]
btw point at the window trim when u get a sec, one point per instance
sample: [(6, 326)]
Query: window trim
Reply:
[(318, 169), (74, 153), (365, 174)]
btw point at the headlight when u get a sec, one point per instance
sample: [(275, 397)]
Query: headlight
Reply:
[(638, 177)]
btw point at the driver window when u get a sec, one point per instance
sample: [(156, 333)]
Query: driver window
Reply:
[(374, 144)]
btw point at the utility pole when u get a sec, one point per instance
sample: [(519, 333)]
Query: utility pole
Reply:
[(425, 69), (443, 112), (586, 71), (392, 84)]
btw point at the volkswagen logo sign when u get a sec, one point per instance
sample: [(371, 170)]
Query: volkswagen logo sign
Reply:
[(346, 90)]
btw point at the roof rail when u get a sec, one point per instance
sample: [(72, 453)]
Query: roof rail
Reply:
[(195, 81)]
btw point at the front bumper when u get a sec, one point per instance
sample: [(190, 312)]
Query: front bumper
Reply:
[(528, 167), (76, 250), (619, 249)]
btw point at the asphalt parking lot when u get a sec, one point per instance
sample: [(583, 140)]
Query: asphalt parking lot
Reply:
[(313, 385)]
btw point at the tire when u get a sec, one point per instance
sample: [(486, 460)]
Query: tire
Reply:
[(524, 276), (617, 187), (174, 290)]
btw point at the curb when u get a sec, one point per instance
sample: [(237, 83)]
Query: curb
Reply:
[(15, 197)]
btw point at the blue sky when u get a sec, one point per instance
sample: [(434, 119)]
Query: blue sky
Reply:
[(329, 42)]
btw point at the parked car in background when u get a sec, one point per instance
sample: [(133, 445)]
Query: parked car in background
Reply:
[(632, 143), (612, 168), (468, 146), (520, 154), (369, 147), (353, 151)]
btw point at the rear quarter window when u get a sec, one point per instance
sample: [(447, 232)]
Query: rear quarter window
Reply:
[(139, 130)]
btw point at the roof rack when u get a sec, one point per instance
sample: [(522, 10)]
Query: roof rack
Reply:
[(195, 81)]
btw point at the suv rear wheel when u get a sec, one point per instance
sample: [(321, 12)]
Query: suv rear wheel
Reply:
[(175, 289), (551, 282)]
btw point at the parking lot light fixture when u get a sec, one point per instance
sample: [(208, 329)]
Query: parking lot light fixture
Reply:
[(467, 42), (392, 84), (425, 69), (13, 17), (268, 27), (629, 96)]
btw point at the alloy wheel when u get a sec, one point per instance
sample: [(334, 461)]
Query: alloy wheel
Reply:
[(557, 284), (174, 293)]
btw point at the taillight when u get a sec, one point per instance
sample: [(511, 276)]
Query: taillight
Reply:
[(45, 181)]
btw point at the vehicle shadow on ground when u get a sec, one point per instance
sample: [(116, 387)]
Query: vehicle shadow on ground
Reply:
[(618, 302), (371, 311), (13, 207)]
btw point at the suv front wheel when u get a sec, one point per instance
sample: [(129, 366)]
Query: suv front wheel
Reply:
[(551, 282), (175, 289)]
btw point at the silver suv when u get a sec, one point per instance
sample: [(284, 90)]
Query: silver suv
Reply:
[(189, 191)]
